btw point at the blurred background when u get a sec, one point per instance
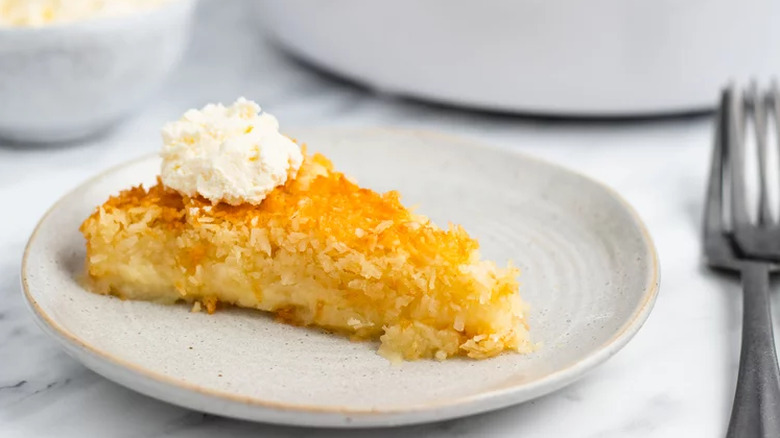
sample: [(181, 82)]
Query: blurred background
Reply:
[(621, 91), (500, 71)]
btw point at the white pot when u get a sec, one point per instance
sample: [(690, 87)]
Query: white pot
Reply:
[(567, 57)]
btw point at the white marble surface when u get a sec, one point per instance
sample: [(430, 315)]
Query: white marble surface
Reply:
[(675, 378)]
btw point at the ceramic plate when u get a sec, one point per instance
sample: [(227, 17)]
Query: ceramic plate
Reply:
[(590, 274)]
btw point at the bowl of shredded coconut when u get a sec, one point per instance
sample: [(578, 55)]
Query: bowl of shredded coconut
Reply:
[(71, 69)]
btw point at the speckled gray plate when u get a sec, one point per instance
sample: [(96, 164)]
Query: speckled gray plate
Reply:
[(590, 274)]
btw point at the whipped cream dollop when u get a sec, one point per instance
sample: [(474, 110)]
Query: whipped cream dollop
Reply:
[(43, 12), (228, 154)]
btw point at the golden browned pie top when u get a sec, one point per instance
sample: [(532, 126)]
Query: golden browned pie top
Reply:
[(321, 203)]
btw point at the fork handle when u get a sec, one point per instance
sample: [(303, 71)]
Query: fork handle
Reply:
[(756, 409)]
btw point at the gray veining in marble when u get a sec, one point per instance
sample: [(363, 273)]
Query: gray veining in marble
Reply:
[(674, 379)]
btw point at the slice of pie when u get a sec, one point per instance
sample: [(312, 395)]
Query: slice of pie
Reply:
[(317, 251)]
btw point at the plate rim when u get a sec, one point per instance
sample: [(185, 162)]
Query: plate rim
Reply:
[(440, 410)]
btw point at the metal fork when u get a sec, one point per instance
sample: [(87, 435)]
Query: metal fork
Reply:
[(756, 408), (762, 241)]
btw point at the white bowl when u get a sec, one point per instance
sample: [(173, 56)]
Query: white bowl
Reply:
[(63, 82), (597, 58)]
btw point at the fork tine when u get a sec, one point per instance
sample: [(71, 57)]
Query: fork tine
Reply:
[(735, 157), (758, 108), (713, 208), (774, 105)]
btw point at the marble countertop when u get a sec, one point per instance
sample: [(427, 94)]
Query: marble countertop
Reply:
[(676, 378)]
